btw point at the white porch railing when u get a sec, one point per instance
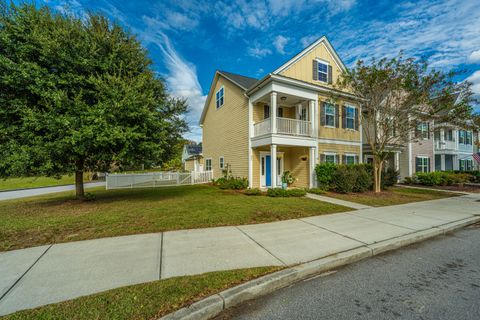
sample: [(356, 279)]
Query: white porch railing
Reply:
[(284, 126), (445, 145), (156, 179)]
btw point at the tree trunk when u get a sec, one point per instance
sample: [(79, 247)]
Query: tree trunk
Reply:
[(79, 190), (377, 175)]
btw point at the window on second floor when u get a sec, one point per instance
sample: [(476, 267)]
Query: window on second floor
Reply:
[(219, 97), (423, 130), (449, 135), (221, 162), (266, 111), (329, 115), (465, 137), (349, 117)]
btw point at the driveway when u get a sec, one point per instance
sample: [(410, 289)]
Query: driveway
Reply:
[(24, 193), (37, 276)]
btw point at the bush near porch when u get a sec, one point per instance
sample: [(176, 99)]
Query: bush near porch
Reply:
[(351, 178)]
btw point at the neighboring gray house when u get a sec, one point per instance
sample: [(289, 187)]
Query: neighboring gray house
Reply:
[(192, 158)]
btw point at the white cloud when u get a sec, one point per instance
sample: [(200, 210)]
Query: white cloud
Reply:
[(280, 42), (258, 52), (474, 56), (475, 79), (305, 41)]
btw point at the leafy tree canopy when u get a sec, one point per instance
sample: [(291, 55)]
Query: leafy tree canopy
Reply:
[(77, 95)]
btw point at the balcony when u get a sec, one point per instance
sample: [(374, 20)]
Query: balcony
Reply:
[(445, 145), (285, 126)]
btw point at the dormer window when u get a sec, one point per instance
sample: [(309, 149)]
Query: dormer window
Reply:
[(219, 97)]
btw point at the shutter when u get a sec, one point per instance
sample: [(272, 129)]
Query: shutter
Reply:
[(315, 70), (417, 164), (428, 164), (344, 116), (322, 158), (337, 116), (337, 159), (344, 159), (329, 74), (428, 130), (356, 119), (322, 113)]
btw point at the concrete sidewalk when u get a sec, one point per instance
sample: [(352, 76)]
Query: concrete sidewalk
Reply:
[(47, 274), (24, 193)]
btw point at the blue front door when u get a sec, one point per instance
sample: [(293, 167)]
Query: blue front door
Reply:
[(268, 177)]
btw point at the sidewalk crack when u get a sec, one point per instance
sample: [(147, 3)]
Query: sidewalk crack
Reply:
[(248, 236), (26, 271)]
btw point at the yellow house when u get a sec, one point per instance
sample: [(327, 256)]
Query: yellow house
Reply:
[(290, 120)]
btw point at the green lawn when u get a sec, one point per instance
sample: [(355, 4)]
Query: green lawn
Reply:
[(34, 182), (58, 218), (144, 301), (392, 196)]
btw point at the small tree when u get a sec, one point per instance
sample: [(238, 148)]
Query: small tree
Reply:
[(78, 95), (398, 95)]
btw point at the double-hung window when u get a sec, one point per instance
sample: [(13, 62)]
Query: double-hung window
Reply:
[(449, 135), (461, 137), (350, 159), (219, 97), (465, 137), (465, 165), (422, 164), (423, 128), (208, 164), (329, 115), (322, 71), (221, 162), (350, 117), (330, 158)]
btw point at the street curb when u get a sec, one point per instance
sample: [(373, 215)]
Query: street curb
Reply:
[(212, 306)]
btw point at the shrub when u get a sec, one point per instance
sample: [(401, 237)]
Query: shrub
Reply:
[(344, 179), (364, 179), (324, 172), (253, 192), (279, 192), (316, 191), (408, 180), (440, 178), (389, 177), (428, 179), (235, 183)]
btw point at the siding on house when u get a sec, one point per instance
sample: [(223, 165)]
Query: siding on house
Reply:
[(302, 69), (225, 130), (339, 133)]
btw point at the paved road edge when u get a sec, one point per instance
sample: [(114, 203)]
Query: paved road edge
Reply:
[(211, 306)]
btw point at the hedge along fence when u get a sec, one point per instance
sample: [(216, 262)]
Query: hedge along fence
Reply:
[(350, 178)]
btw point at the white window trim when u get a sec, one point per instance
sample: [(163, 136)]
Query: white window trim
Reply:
[(354, 155), (346, 118), (421, 131), (331, 154), (334, 115), (325, 63), (211, 164), (221, 162), (422, 157), (221, 88)]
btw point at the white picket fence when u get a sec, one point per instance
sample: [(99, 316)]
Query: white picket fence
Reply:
[(156, 179)]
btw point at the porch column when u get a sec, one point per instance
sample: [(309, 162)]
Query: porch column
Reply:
[(273, 165), (442, 162), (397, 161), (312, 117), (311, 159), (273, 111)]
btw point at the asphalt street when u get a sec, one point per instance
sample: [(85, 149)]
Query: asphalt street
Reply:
[(437, 279)]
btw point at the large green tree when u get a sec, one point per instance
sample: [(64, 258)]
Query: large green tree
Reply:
[(399, 94), (78, 95)]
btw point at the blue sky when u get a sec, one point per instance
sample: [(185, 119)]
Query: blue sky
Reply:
[(189, 39)]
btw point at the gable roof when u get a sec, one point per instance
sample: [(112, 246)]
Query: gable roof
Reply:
[(240, 81), (322, 40)]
